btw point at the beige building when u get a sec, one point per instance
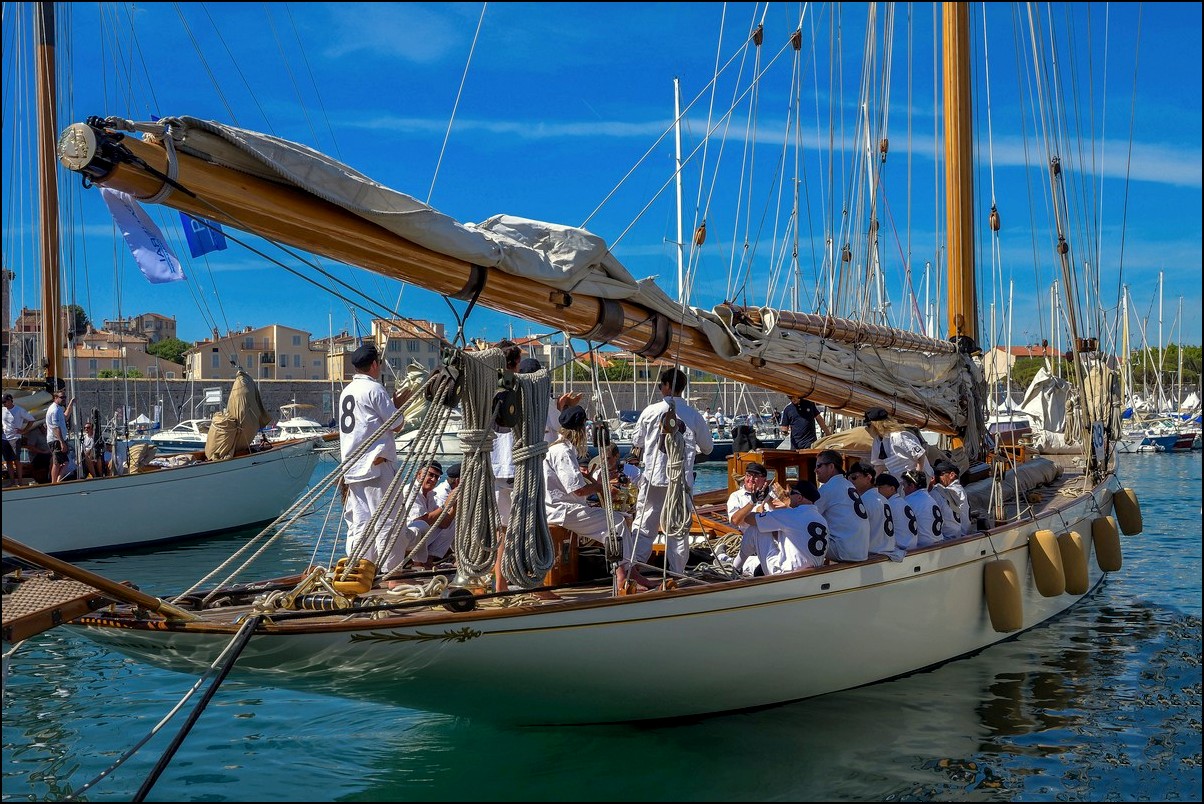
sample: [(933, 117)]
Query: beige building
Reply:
[(152, 326), (108, 339), (95, 362), (274, 352), (400, 341)]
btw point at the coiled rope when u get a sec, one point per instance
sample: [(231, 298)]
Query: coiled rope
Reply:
[(679, 506), (528, 554), (476, 529)]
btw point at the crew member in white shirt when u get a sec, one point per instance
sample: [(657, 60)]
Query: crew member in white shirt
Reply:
[(567, 489), (752, 498), (955, 504), (364, 407), (894, 448), (841, 505), (929, 518), (649, 439), (797, 535), (882, 518), (17, 422), (907, 528)]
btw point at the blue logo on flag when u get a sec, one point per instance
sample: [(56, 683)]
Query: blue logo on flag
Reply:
[(203, 235)]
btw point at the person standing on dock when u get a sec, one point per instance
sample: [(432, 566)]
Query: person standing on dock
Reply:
[(364, 407), (17, 422)]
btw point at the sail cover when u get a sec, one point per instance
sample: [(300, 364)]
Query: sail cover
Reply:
[(577, 261)]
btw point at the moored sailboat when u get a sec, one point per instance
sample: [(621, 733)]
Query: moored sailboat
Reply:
[(194, 498), (570, 659)]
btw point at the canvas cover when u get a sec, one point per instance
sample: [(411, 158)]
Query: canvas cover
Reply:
[(575, 260), (235, 429)]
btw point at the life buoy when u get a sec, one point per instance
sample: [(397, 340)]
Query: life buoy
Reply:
[(1074, 562), (1106, 540), (1046, 561), (1002, 585), (1128, 511)]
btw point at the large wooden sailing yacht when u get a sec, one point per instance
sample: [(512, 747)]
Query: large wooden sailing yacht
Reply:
[(785, 637)]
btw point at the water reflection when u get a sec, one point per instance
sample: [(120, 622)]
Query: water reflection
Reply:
[(1102, 703)]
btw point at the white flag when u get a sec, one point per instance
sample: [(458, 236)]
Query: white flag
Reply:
[(154, 257)]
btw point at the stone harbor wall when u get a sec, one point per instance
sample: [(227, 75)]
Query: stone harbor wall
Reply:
[(185, 399)]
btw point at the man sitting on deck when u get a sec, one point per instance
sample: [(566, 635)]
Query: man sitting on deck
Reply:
[(567, 489), (797, 535), (841, 506), (752, 498)]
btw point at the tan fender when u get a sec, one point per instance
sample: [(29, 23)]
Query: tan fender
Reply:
[(1046, 561), (1128, 511), (1002, 585), (1074, 562), (1106, 540)]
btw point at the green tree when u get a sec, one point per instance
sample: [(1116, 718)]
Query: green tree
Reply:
[(130, 373), (77, 319), (171, 349)]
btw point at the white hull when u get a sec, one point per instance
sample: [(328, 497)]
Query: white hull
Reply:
[(165, 505), (706, 649)]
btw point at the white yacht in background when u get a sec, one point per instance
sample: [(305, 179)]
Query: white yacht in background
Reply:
[(187, 436)]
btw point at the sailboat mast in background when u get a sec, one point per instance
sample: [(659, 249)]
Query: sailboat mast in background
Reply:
[(48, 193)]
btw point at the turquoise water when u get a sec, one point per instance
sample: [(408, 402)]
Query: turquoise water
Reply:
[(1101, 704)]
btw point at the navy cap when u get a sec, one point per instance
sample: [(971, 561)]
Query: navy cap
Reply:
[(363, 356), (876, 415), (940, 467), (806, 488), (453, 471), (572, 418), (754, 468), (433, 464), (528, 365), (886, 479)]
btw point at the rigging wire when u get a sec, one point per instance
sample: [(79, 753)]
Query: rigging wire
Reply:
[(455, 106)]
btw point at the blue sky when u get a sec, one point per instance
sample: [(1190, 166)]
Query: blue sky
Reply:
[(561, 100)]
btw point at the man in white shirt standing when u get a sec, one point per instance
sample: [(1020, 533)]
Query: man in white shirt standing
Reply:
[(649, 438), (364, 407), (17, 422), (56, 434)]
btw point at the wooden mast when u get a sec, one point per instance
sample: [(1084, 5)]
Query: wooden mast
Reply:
[(959, 179), (52, 325)]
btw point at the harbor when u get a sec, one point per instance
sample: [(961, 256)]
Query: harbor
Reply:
[(723, 402)]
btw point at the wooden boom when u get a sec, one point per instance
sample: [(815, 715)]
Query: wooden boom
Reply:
[(287, 214)]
